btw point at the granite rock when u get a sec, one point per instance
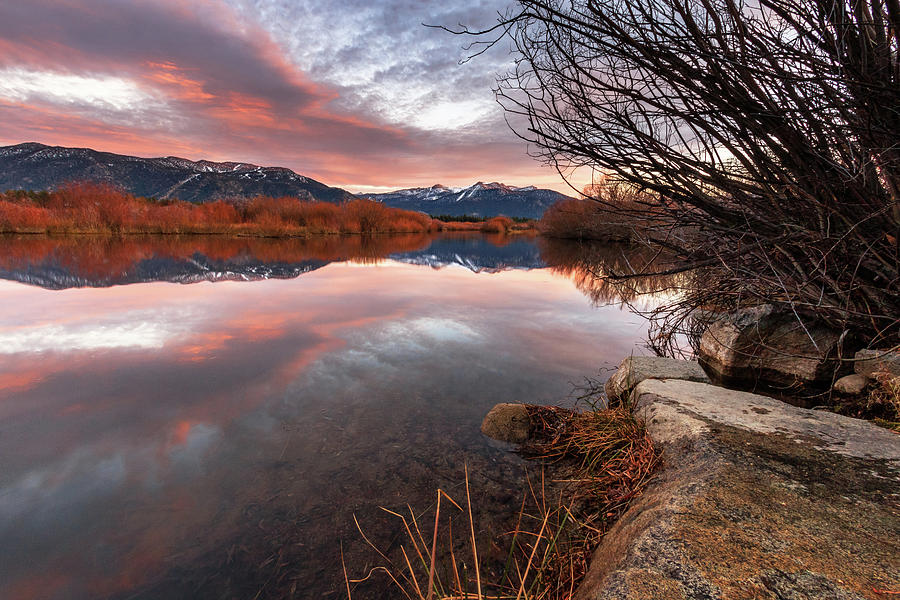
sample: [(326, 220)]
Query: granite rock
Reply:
[(755, 499), (507, 423), (636, 369), (868, 362), (763, 345)]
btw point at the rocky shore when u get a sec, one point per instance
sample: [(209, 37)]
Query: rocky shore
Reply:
[(755, 498)]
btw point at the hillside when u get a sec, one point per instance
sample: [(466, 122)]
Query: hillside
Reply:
[(481, 199), (33, 166)]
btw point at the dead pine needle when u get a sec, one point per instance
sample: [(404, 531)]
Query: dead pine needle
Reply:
[(346, 578)]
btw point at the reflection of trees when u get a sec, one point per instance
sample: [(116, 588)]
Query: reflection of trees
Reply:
[(588, 265), (593, 268), (100, 257), (103, 257)]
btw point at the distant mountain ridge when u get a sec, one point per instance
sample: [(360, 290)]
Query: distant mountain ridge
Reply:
[(481, 200), (34, 166)]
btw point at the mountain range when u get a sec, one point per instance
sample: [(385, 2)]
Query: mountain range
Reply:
[(479, 200), (33, 166)]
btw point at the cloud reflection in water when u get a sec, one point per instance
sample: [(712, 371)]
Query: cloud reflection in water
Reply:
[(145, 429)]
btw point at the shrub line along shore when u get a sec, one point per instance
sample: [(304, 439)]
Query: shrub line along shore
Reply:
[(86, 208)]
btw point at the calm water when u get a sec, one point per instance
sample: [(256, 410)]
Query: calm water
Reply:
[(162, 440)]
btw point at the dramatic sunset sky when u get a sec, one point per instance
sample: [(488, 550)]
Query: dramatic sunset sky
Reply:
[(355, 93)]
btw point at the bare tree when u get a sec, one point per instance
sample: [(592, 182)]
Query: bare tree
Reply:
[(766, 129)]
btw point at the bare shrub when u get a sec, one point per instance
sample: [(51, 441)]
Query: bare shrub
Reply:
[(499, 224), (767, 129), (612, 211), (93, 208)]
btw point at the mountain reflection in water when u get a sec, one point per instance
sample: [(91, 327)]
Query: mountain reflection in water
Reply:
[(211, 441), (101, 261)]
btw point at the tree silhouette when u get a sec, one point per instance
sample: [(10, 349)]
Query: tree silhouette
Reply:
[(765, 130)]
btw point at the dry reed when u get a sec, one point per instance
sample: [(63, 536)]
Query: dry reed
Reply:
[(80, 208), (605, 459)]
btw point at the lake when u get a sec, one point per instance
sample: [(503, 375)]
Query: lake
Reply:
[(203, 417)]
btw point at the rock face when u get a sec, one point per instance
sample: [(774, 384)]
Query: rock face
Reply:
[(507, 423), (763, 345), (755, 499), (636, 369), (869, 362)]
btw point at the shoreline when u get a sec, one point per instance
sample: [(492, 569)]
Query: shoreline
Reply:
[(244, 234), (84, 208), (250, 234), (737, 469)]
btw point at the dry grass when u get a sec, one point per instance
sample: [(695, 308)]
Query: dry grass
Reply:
[(497, 225), (93, 208), (500, 225), (611, 452), (605, 459), (884, 400), (80, 208)]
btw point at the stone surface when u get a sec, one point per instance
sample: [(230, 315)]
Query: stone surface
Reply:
[(507, 423), (755, 499), (636, 369), (870, 361), (763, 345), (851, 385)]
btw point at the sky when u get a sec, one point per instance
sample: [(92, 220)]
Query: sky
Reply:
[(358, 93)]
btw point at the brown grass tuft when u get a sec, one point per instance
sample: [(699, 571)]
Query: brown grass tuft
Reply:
[(884, 400), (606, 459)]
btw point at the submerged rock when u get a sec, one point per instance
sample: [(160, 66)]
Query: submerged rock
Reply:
[(636, 369), (851, 385), (869, 362), (508, 423), (755, 499), (764, 345)]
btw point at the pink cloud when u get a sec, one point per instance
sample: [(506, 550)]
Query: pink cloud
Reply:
[(220, 88)]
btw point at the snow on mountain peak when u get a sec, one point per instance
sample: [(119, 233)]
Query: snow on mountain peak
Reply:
[(37, 166)]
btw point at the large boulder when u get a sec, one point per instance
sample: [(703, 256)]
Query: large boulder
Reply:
[(636, 369), (869, 362), (762, 345), (754, 499), (508, 423)]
